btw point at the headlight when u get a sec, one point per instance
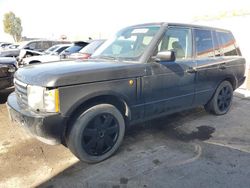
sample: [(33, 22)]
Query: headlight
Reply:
[(42, 99)]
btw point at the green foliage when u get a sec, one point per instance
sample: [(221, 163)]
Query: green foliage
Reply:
[(13, 26)]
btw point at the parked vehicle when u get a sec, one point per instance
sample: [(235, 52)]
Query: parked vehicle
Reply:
[(29, 48), (87, 51), (144, 72), (49, 55), (4, 44), (30, 51), (53, 57), (8, 66)]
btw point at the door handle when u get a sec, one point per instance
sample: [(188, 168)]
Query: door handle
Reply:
[(191, 70), (222, 66)]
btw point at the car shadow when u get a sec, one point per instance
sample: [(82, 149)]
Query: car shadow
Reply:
[(168, 128), (4, 94)]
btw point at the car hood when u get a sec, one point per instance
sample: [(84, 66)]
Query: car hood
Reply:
[(65, 73)]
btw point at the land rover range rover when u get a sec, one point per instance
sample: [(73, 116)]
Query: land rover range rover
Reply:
[(145, 71)]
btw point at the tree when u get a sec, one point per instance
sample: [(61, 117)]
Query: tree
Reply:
[(13, 26)]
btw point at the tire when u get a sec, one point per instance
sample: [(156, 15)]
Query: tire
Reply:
[(96, 133), (221, 100)]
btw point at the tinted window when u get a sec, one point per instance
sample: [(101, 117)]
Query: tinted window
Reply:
[(32, 45), (203, 43), (59, 50), (39, 45), (178, 40), (73, 49), (46, 45), (227, 43)]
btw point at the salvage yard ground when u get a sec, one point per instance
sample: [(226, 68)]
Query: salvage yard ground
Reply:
[(187, 149)]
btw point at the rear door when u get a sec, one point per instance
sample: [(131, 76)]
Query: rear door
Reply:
[(212, 63)]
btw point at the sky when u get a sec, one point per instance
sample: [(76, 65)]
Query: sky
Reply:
[(101, 18)]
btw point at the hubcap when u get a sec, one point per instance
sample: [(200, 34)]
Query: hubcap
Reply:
[(100, 134), (224, 98)]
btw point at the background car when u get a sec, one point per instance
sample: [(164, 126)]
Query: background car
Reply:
[(75, 47), (88, 50), (37, 48), (8, 66), (4, 44), (29, 48)]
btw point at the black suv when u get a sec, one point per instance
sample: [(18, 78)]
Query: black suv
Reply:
[(145, 71)]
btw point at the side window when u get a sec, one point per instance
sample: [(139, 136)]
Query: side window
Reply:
[(227, 43), (203, 43), (39, 45), (46, 45), (179, 40), (32, 45)]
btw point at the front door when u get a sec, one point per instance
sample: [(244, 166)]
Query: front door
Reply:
[(169, 86)]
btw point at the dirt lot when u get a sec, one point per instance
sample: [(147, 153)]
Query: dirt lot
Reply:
[(188, 149)]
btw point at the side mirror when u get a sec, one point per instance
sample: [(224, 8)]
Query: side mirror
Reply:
[(165, 56)]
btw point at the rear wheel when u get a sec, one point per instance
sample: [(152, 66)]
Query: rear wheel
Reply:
[(97, 133), (222, 99)]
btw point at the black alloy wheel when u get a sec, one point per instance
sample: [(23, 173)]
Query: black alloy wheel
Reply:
[(96, 133), (100, 134), (221, 101), (224, 98)]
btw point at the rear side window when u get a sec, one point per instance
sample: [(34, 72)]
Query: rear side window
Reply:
[(227, 42), (203, 43)]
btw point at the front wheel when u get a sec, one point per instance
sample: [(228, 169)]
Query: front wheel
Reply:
[(97, 133), (221, 100)]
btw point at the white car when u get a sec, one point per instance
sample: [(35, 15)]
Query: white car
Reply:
[(51, 54)]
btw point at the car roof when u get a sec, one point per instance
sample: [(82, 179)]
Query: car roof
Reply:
[(179, 24)]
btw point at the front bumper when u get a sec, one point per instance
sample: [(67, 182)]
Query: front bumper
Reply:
[(46, 127)]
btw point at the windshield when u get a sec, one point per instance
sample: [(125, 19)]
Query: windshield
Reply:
[(73, 49), (89, 49), (128, 44), (51, 49)]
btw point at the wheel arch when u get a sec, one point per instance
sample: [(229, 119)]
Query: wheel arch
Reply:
[(232, 80), (83, 104)]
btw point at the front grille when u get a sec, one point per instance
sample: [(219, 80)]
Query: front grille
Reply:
[(21, 91)]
